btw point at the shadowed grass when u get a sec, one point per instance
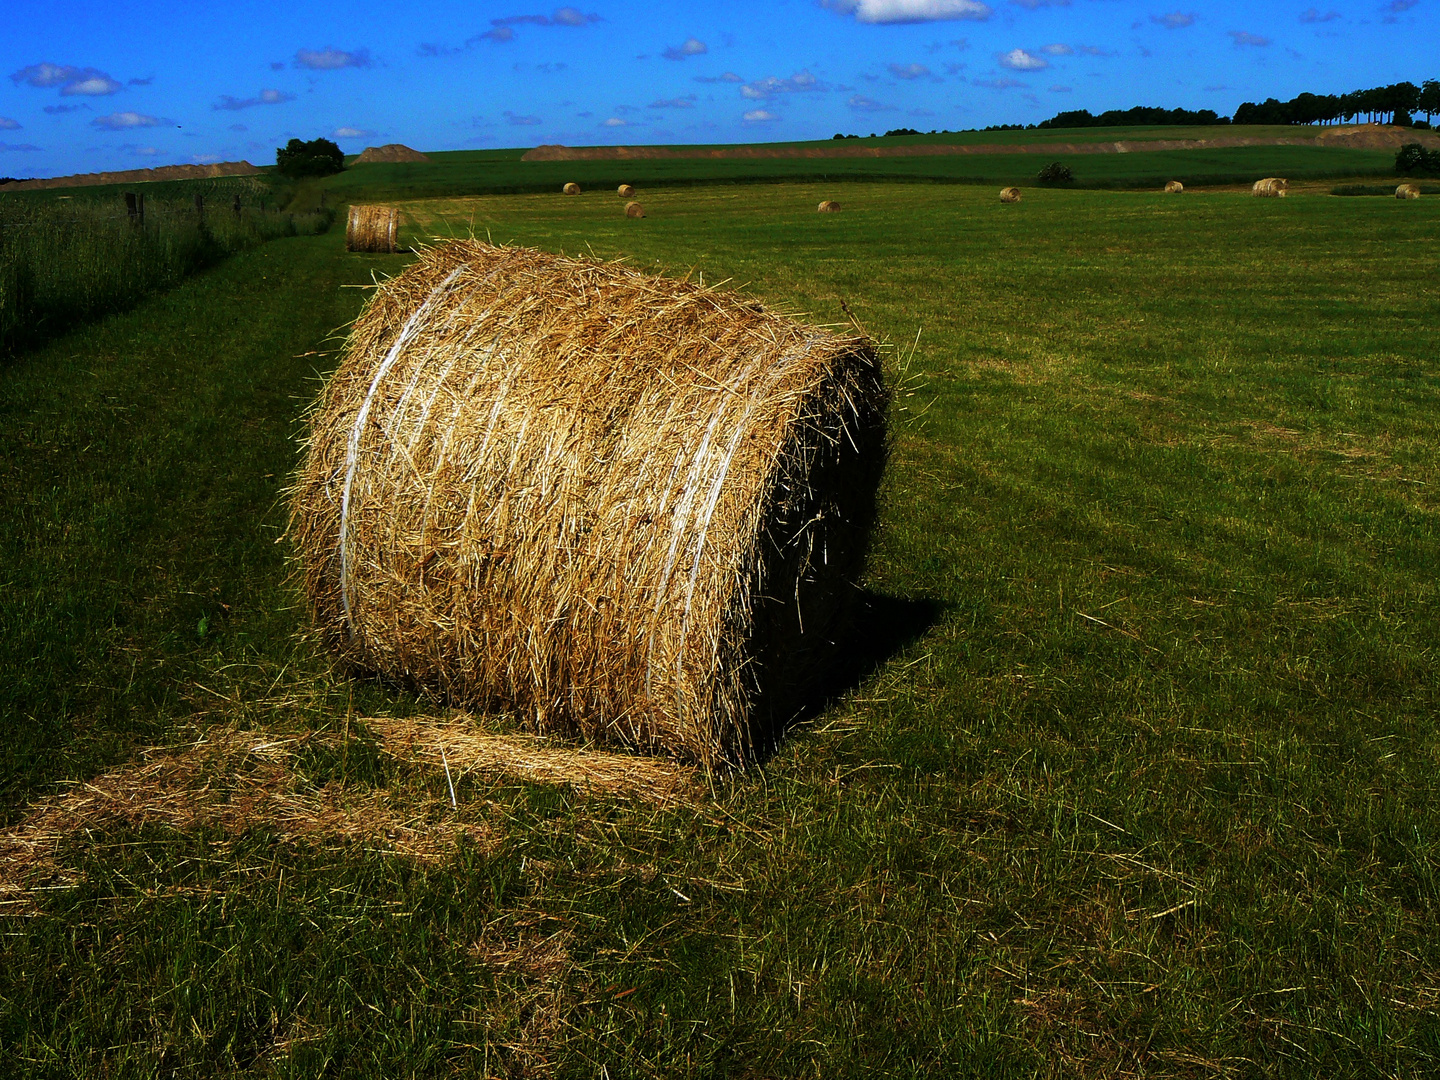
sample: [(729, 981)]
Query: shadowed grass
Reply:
[(1153, 795)]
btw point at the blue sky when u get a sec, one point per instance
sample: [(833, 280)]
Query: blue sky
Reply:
[(93, 86)]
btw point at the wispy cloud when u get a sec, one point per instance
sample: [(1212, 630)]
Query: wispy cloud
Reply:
[(687, 101), (759, 116), (1058, 49), (909, 71), (729, 77), (1244, 37), (140, 82), (1395, 7), (1176, 20), (265, 97), (1032, 5), (332, 59), (125, 121), (351, 133), (1002, 83), (760, 89), (615, 122), (61, 110), (1059, 89), (687, 48), (909, 11), (1314, 15), (6, 124), (87, 82), (861, 104), (1020, 60), (502, 30), (521, 119), (18, 148)]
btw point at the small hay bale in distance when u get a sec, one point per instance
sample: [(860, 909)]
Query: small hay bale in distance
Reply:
[(628, 508), (634, 209), (626, 191), (372, 229), (1174, 187), (829, 206), (1407, 191), (1010, 195), (1272, 187), (571, 188)]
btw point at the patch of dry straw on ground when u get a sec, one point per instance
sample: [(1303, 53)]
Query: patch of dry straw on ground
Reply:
[(459, 744), (230, 780)]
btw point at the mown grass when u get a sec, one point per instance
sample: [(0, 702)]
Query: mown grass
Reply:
[(68, 257), (1143, 783), (502, 172)]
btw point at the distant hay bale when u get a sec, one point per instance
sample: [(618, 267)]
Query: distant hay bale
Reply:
[(1174, 187), (625, 191), (829, 206), (1407, 191), (372, 228), (634, 209), (628, 508), (571, 188), (1271, 187), (1010, 194)]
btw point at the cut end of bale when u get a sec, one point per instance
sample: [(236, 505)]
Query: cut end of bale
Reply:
[(1010, 195), (1174, 187), (372, 229), (1407, 191), (571, 189), (829, 206), (634, 209), (625, 508), (1272, 187), (625, 191)]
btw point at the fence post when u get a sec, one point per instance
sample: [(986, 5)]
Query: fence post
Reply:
[(131, 206), (200, 206), (237, 204)]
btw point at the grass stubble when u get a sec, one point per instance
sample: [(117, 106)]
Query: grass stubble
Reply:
[(1142, 786)]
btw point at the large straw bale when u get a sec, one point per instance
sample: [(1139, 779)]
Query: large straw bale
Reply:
[(829, 206), (1010, 195), (1272, 187), (634, 209), (1174, 187), (571, 188), (628, 508), (625, 191), (1407, 191), (372, 228)]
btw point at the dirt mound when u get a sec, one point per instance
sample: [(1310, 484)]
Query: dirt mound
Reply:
[(1376, 137), (140, 176), (390, 152)]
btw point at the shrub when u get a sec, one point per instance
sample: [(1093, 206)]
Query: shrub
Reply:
[(1056, 173), (1414, 158), (318, 157)]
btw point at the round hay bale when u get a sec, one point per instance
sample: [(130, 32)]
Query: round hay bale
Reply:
[(1010, 194), (629, 508), (571, 188), (372, 229), (625, 191), (829, 206), (1407, 191), (634, 209), (1272, 187), (1174, 187)]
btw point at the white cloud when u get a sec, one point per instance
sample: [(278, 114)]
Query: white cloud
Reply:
[(765, 88), (89, 82), (690, 47), (909, 11), (331, 59), (1020, 60), (1058, 49), (615, 121), (351, 133), (909, 71), (123, 121), (759, 116)]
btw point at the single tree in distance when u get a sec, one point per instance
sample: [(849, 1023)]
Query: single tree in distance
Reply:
[(318, 157)]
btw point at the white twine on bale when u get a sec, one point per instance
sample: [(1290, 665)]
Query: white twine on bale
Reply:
[(352, 449)]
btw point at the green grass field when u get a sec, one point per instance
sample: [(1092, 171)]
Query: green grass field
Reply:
[(1137, 777)]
